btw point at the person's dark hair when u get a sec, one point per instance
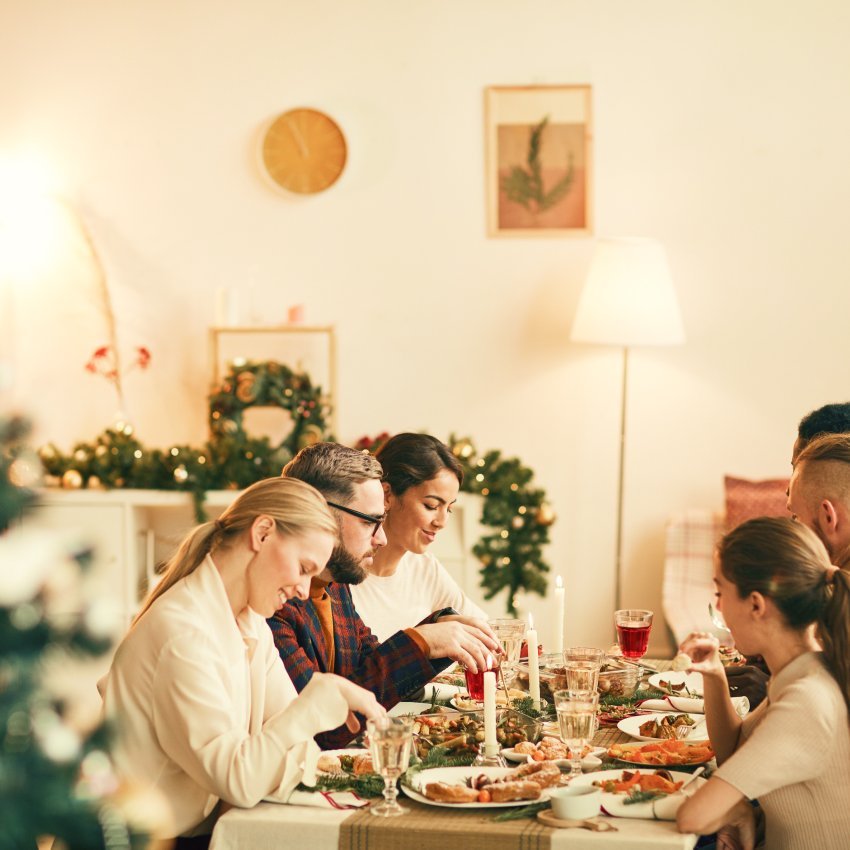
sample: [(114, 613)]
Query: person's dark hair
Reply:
[(786, 562), (829, 419), (333, 469), (409, 459)]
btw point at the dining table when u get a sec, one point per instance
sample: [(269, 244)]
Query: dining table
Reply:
[(318, 826)]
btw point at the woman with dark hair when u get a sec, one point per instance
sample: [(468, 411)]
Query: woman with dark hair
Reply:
[(781, 599), (421, 479)]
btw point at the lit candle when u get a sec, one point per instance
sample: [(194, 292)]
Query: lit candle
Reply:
[(533, 664), (559, 614), (491, 746)]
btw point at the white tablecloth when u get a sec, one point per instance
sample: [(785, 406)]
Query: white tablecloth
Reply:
[(270, 826)]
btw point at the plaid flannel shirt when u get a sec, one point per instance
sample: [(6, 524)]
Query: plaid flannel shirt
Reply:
[(390, 670)]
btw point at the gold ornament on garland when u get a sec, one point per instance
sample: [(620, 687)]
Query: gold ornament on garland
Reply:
[(545, 515), (72, 479)]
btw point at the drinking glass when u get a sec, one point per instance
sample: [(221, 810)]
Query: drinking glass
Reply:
[(510, 634), (475, 681), (633, 626), (389, 742), (582, 664), (576, 722)]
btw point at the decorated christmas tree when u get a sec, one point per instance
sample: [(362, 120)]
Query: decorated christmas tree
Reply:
[(57, 783)]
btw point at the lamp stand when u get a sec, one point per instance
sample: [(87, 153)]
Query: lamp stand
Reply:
[(618, 574)]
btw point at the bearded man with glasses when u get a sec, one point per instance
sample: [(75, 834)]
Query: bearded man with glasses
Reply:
[(324, 633)]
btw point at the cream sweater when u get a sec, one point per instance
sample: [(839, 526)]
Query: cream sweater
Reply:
[(795, 759), (419, 586), (204, 707)]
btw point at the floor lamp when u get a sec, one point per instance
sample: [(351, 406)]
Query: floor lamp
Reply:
[(628, 299)]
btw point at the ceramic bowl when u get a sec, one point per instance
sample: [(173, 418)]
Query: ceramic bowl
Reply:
[(576, 802)]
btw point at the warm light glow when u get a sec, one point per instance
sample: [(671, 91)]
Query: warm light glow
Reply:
[(559, 582), (30, 219), (628, 297)]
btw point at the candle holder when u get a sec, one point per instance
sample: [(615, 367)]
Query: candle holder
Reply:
[(489, 756)]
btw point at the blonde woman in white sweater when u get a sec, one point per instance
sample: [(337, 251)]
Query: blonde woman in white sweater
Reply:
[(406, 583), (774, 584), (202, 704)]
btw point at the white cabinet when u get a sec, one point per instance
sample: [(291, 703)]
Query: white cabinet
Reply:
[(130, 531), (133, 531)]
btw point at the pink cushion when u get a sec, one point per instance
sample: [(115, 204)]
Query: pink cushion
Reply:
[(748, 499)]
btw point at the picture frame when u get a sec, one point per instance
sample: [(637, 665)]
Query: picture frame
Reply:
[(538, 163), (303, 348)]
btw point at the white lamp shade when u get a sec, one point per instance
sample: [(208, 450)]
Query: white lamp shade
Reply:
[(628, 297)]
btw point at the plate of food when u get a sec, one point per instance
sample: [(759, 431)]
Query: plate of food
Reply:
[(664, 725), (678, 684), (483, 787), (663, 753), (549, 749), (355, 761), (611, 715), (631, 793)]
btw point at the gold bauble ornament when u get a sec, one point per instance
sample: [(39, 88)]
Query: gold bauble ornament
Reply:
[(463, 448), (181, 474), (545, 515), (517, 522), (94, 483), (246, 387), (72, 479)]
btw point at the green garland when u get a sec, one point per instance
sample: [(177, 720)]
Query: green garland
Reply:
[(229, 460), (511, 554)]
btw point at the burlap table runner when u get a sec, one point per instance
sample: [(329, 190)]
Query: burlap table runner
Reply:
[(437, 828)]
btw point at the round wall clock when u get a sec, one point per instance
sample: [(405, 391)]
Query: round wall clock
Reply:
[(304, 151)]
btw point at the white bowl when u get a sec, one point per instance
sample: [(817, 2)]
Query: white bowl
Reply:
[(576, 802)]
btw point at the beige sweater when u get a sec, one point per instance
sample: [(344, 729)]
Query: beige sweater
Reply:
[(795, 759), (205, 710)]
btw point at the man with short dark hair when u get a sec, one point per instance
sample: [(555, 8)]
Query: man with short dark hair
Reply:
[(324, 633)]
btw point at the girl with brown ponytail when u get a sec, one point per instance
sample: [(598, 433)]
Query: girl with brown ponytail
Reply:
[(781, 599)]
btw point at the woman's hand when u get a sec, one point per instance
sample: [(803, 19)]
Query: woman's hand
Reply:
[(703, 650), (359, 700)]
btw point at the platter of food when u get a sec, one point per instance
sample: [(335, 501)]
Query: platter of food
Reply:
[(611, 715), (663, 753), (483, 787), (549, 749), (663, 726), (354, 761), (631, 793), (678, 684), (462, 732)]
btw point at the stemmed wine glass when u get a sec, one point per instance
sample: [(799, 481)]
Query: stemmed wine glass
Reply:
[(389, 743), (510, 633), (576, 722)]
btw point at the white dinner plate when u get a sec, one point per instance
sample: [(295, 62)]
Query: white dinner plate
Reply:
[(693, 681), (403, 708), (458, 776), (613, 804), (590, 762), (631, 725)]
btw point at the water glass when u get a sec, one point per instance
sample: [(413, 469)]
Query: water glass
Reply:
[(389, 740), (576, 723), (582, 665), (510, 633), (633, 627)]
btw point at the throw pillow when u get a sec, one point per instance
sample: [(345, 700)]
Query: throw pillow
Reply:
[(748, 499)]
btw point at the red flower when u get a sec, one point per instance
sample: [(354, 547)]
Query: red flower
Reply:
[(101, 352)]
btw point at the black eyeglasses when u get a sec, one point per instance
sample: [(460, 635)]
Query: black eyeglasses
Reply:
[(377, 520)]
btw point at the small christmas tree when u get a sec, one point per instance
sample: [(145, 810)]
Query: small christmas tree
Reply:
[(56, 776)]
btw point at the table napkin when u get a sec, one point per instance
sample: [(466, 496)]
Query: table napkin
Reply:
[(322, 799), (690, 705), (664, 808)]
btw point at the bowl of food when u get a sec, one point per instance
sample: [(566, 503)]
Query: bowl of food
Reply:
[(618, 681), (462, 732), (553, 675)]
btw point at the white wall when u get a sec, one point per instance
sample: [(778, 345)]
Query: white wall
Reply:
[(720, 128)]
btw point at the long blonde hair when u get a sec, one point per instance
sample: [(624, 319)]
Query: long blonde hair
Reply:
[(294, 506)]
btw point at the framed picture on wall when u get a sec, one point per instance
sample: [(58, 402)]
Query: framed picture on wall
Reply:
[(303, 348), (538, 160)]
